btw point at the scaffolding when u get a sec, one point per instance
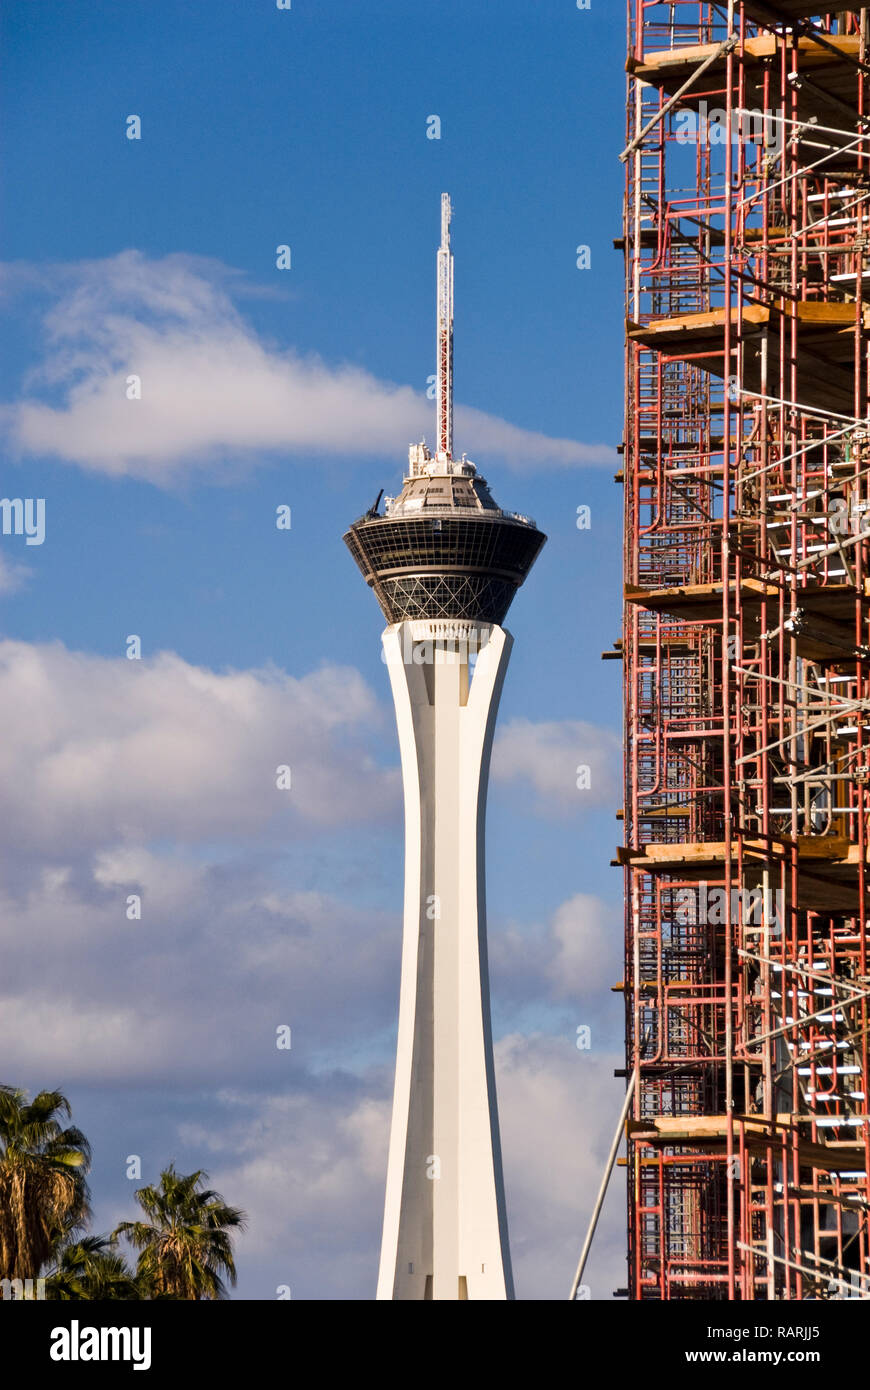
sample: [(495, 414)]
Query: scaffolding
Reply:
[(746, 649)]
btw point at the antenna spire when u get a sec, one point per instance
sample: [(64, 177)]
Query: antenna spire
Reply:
[(444, 389)]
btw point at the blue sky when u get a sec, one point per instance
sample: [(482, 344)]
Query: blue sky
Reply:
[(261, 387)]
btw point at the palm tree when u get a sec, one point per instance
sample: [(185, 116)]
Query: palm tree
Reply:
[(185, 1246), (90, 1268), (43, 1192)]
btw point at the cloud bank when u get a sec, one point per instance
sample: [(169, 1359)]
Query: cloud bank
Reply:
[(157, 748), (569, 764), (156, 778), (210, 388)]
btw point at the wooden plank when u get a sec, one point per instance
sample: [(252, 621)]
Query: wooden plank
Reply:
[(703, 1126), (807, 311), (682, 61), (818, 311), (709, 318), (834, 849), (698, 592), (634, 594), (758, 1134), (826, 633)]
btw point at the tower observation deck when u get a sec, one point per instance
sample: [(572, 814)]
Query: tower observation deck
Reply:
[(443, 548), (444, 562)]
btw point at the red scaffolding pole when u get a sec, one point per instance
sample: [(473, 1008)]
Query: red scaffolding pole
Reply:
[(746, 649)]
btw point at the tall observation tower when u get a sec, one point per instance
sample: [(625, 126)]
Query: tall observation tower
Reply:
[(444, 562)]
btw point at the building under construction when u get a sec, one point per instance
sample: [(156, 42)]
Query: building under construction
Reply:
[(746, 649)]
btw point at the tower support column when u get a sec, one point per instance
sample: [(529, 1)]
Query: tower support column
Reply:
[(445, 1229)]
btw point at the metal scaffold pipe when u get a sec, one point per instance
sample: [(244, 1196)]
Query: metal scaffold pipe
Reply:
[(602, 1191)]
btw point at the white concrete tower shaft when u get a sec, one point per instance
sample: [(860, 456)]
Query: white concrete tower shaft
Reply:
[(445, 1230)]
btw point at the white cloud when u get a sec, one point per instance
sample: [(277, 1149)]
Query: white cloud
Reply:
[(196, 988), (588, 936), (558, 1109), (13, 575), (309, 1168), (190, 996), (156, 778), (223, 954), (211, 388), (160, 748), (576, 955), (316, 1157), (550, 756)]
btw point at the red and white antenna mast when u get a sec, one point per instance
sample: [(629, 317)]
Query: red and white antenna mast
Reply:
[(444, 387)]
